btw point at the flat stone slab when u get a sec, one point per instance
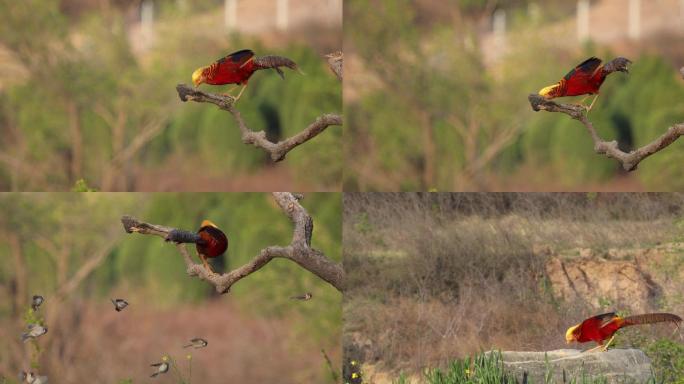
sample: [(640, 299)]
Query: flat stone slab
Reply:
[(616, 365)]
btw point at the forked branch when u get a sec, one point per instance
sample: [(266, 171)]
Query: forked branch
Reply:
[(299, 250), (278, 150), (629, 160)]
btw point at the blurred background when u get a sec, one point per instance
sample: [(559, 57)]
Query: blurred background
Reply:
[(87, 91), (434, 277), (436, 93), (72, 249)]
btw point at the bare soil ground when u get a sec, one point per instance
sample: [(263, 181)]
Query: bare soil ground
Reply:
[(109, 346)]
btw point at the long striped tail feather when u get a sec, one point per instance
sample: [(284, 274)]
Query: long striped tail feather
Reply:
[(275, 62), (652, 318)]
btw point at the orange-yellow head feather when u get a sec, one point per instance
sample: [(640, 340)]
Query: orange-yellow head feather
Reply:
[(207, 223), (198, 76), (570, 334)]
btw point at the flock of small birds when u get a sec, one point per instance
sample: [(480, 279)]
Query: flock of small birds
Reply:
[(37, 330), (34, 331)]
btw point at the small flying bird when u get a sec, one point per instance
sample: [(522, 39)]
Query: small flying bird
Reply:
[(585, 79), (33, 378), (304, 297), (209, 241), (602, 327), (35, 331), (238, 67), (335, 60), (197, 342), (162, 367), (36, 302), (119, 304)]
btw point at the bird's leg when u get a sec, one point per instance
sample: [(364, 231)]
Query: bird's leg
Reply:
[(206, 264), (594, 349), (605, 346), (240, 94), (227, 92), (592, 103)]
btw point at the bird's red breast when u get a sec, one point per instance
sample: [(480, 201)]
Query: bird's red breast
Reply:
[(214, 242), (599, 328), (585, 79), (235, 68)]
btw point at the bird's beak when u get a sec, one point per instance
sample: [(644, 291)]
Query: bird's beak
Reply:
[(547, 92), (197, 76), (570, 334)]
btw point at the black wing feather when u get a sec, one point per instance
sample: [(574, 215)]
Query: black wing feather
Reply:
[(587, 66), (239, 57)]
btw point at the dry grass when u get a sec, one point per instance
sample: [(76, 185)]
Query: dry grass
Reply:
[(434, 277)]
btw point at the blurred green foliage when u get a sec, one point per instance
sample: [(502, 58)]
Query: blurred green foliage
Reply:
[(81, 77), (667, 355), (442, 115), (153, 272)]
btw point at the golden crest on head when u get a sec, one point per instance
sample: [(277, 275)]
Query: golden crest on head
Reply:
[(547, 92), (197, 76), (570, 334), (207, 223)]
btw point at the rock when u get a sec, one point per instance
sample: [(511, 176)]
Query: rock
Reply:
[(616, 365), (601, 282)]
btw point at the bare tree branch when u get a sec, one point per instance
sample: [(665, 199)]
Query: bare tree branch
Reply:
[(629, 160), (258, 139), (85, 270), (299, 250)]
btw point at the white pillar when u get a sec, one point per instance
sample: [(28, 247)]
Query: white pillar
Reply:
[(533, 12), (499, 28), (182, 5), (282, 14), (147, 21), (583, 8), (230, 14), (634, 19)]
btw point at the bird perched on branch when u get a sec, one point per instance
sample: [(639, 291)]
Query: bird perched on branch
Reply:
[(36, 302), (119, 304), (238, 67), (35, 330), (197, 342), (585, 79), (602, 327), (209, 241)]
